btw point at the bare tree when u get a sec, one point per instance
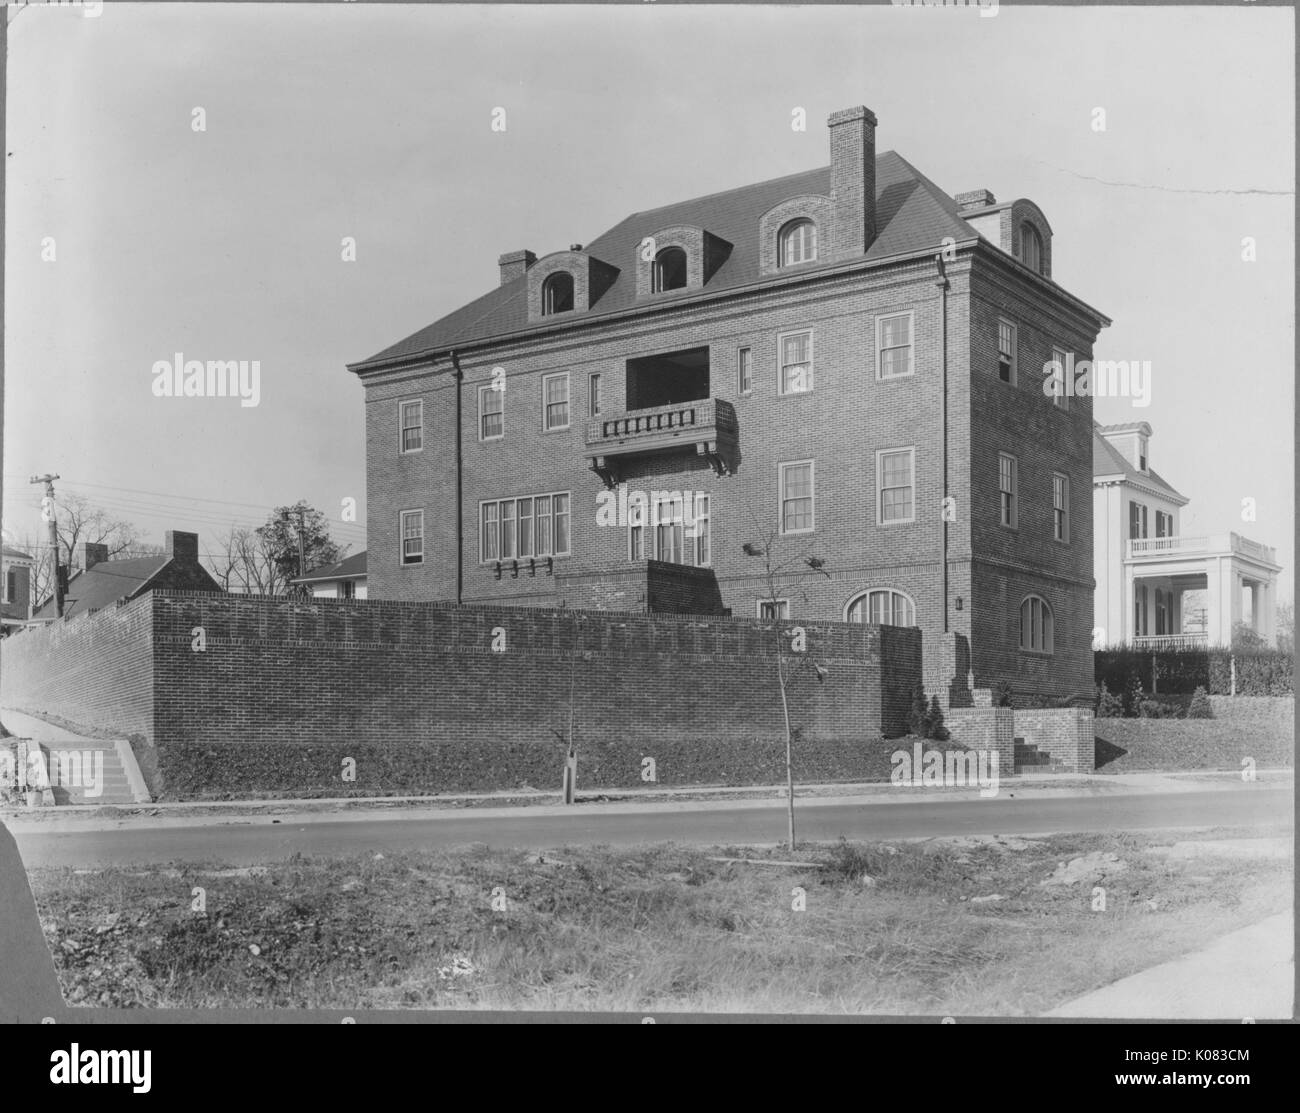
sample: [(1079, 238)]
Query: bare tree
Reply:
[(243, 561), (78, 520), (785, 565)]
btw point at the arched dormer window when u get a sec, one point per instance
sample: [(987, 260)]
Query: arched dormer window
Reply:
[(1031, 247), (882, 607), (557, 293), (668, 271), (1036, 625), (796, 243)]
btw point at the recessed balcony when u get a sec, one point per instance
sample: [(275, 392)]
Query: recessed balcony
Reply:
[(705, 426)]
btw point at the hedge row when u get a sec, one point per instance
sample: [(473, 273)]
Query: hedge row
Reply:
[(186, 771), (1262, 672), (1131, 745)]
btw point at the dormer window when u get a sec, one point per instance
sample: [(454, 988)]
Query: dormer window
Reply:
[(1142, 454), (669, 270), (1031, 247), (797, 243), (557, 293)]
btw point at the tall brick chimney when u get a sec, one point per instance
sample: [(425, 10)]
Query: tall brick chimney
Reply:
[(87, 554), (853, 180), (514, 264), (182, 546)]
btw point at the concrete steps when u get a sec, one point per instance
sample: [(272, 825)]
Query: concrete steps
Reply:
[(1030, 759), (84, 772)]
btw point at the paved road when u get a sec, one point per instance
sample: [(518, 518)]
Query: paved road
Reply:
[(259, 840)]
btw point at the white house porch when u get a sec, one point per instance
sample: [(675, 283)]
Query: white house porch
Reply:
[(1237, 575)]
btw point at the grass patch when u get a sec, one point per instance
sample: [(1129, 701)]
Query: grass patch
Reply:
[(888, 928)]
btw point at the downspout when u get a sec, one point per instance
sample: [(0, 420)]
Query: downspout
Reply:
[(459, 375), (942, 282)]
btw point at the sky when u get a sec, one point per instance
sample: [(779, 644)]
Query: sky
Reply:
[(323, 122)]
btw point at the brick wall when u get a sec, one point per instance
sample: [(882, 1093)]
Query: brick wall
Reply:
[(1064, 732), (643, 586), (425, 675), (985, 729), (94, 668)]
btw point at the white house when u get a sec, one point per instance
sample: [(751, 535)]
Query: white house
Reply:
[(344, 580), (1146, 570)]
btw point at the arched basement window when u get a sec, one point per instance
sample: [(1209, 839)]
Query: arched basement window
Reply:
[(882, 607)]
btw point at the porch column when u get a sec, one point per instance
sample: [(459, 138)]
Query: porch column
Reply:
[(1213, 602), (1126, 631), (1267, 593)]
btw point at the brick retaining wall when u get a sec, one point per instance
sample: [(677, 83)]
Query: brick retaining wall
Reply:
[(376, 672)]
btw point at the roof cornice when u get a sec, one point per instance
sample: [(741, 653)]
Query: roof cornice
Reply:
[(833, 270)]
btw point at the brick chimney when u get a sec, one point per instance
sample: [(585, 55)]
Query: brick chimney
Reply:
[(87, 554), (974, 199), (853, 180), (182, 546), (514, 264)]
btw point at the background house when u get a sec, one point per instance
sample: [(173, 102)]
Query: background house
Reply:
[(95, 581), (1156, 587), (15, 588), (345, 579)]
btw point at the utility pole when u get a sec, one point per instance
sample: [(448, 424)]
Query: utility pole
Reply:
[(49, 513), (302, 549)]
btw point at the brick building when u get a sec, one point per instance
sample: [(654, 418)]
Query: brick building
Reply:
[(16, 569), (804, 368)]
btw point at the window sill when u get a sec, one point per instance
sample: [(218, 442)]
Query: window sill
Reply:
[(1045, 653)]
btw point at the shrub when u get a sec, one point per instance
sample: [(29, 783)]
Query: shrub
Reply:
[(934, 722), (1109, 705), (1002, 694), (1134, 694), (1200, 707), (918, 714)]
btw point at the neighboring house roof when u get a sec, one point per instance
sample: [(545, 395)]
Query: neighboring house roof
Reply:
[(912, 214), (15, 554), (351, 568), (1108, 462), (105, 583)]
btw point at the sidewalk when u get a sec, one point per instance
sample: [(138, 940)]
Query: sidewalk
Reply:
[(598, 800), (1247, 973), (38, 730)]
